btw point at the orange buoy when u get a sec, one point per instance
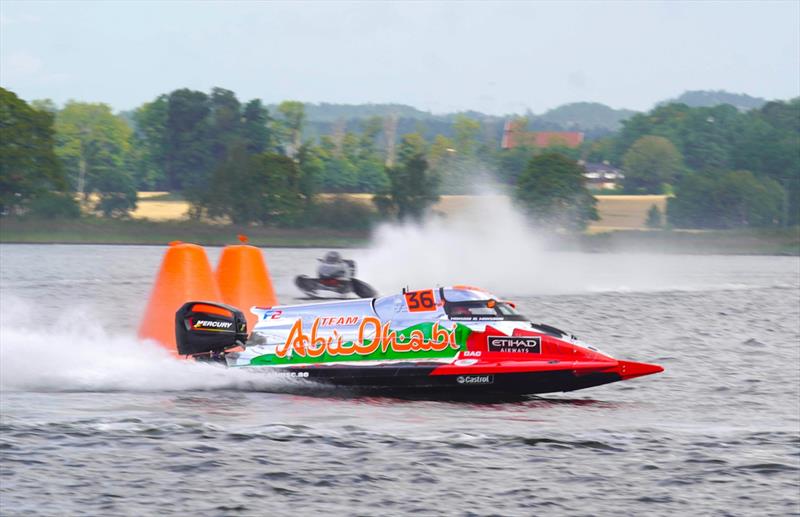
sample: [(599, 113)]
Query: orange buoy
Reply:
[(243, 279), (185, 275)]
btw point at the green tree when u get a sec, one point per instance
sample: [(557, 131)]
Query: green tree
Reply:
[(442, 151), (654, 219), (725, 200), (339, 174), (311, 168), (93, 145), (412, 145), (44, 105), (768, 142), (466, 131), (512, 162), (149, 144), (413, 188), (706, 137), (552, 191), (263, 188), (187, 157), (293, 117), (599, 151), (369, 161), (256, 129), (224, 123), (651, 162), (29, 167)]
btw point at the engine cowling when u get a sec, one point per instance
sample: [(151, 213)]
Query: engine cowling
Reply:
[(208, 328)]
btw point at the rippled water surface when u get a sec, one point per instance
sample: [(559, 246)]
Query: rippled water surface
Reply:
[(95, 422)]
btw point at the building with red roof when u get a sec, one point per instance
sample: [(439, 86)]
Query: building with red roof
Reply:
[(515, 136)]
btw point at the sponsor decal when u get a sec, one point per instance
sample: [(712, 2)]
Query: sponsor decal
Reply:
[(293, 375), (475, 379), (476, 318), (465, 362), (314, 345), (272, 315), (211, 325), (471, 353), (515, 344), (340, 321)]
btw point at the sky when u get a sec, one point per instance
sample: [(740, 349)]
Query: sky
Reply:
[(494, 57)]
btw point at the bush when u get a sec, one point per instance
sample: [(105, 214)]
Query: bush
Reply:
[(654, 219), (116, 204), (343, 212), (735, 199), (552, 191), (54, 205), (262, 188)]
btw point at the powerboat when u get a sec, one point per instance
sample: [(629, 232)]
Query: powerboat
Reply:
[(457, 340)]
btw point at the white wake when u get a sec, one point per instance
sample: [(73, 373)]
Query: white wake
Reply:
[(70, 351)]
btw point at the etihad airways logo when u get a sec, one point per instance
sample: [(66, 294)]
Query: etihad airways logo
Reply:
[(515, 344)]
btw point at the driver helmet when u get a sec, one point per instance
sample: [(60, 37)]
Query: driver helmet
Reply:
[(332, 257)]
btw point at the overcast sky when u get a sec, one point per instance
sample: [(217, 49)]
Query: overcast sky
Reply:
[(441, 56)]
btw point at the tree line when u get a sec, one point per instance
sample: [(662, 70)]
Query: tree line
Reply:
[(743, 166), (245, 162)]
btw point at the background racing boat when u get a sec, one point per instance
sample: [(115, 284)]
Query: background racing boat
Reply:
[(456, 339)]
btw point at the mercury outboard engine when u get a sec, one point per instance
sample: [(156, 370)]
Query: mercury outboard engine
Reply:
[(206, 329)]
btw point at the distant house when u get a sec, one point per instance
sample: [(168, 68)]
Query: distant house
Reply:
[(515, 136), (601, 176)]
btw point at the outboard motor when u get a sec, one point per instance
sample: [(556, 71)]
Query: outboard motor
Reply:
[(206, 329)]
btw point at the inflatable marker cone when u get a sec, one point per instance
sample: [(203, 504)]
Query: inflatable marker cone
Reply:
[(185, 275), (244, 280)]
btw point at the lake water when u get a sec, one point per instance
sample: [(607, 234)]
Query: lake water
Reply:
[(92, 421)]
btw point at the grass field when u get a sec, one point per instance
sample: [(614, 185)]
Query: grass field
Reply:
[(616, 212), (92, 230), (161, 217), (625, 212)]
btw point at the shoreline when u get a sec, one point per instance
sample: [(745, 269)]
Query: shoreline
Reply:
[(151, 233), (89, 231)]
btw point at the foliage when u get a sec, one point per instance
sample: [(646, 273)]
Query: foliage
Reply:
[(765, 141), (512, 162), (293, 117), (726, 200), (148, 144), (552, 191), (651, 162), (585, 115), (29, 167), (310, 164), (328, 112), (94, 144), (187, 157), (117, 193), (181, 138), (184, 140), (263, 188), (654, 219), (467, 131), (255, 127), (342, 212), (413, 187), (598, 151), (709, 98), (54, 205)]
